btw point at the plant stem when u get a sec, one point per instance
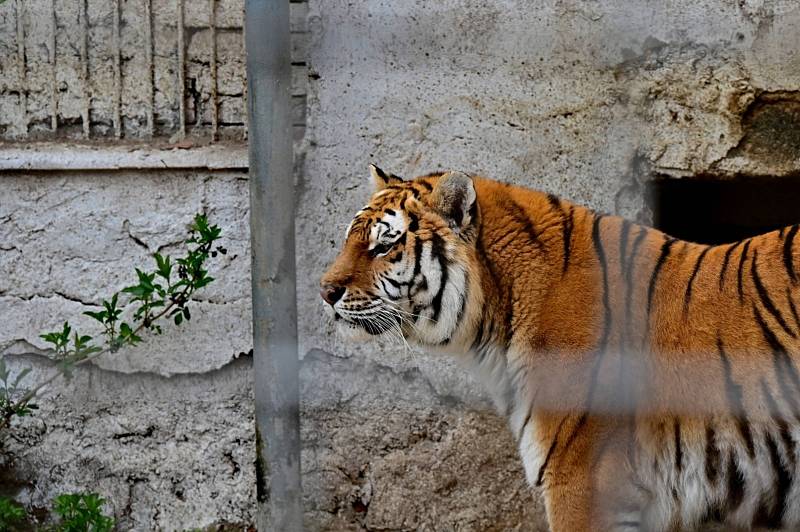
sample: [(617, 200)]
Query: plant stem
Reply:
[(30, 394)]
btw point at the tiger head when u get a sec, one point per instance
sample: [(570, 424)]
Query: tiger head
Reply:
[(408, 265)]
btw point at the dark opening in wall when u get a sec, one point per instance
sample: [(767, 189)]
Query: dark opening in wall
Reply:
[(710, 210)]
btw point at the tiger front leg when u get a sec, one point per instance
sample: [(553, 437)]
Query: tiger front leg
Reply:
[(590, 485)]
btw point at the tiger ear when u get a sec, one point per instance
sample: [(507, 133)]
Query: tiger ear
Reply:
[(381, 179), (454, 198)]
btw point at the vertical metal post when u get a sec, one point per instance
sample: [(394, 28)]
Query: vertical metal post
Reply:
[(117, 71), (83, 21), (53, 78), (181, 88), (244, 89), (148, 55), (21, 68), (212, 26), (273, 267)]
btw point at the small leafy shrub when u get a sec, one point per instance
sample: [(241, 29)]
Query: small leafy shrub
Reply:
[(161, 293), (11, 514), (81, 512)]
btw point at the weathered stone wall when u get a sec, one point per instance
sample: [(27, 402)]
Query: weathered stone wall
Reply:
[(165, 431), (587, 99)]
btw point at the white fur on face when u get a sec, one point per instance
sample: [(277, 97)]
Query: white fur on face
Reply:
[(387, 230)]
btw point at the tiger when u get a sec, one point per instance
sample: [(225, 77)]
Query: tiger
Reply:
[(650, 383)]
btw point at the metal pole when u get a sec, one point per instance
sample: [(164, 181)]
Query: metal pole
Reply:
[(273, 267)]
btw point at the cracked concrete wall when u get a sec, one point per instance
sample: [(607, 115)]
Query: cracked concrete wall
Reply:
[(163, 431), (588, 99)]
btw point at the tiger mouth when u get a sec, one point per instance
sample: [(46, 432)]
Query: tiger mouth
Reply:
[(375, 328)]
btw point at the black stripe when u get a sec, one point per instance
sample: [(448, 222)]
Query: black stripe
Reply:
[(688, 295), (438, 252), (678, 446), (463, 303), (543, 468), (773, 517), (483, 348), (386, 291), (525, 422), (712, 454), (393, 282), (741, 267), (792, 307), (519, 216), (397, 257), (577, 428), (725, 263), (734, 393), (417, 258), (629, 269), (601, 348), (782, 365), (504, 299), (601, 256), (427, 186), (788, 257), (783, 426), (736, 483), (624, 234), (764, 296), (668, 242), (478, 335), (567, 223), (413, 224)]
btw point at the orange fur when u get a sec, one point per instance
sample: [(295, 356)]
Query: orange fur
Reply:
[(651, 379)]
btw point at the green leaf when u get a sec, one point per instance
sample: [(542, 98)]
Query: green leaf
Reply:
[(200, 283), (137, 290), (186, 313), (163, 266), (51, 337), (178, 319), (99, 316)]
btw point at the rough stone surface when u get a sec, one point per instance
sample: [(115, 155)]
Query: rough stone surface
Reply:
[(384, 450), (164, 431), (168, 454)]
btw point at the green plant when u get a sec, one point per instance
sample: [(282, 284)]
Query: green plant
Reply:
[(11, 514), (162, 293), (81, 512)]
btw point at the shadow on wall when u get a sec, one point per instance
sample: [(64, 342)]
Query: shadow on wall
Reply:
[(715, 208)]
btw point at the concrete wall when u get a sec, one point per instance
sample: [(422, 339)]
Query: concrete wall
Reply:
[(587, 99)]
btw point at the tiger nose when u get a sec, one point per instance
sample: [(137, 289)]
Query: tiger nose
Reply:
[(331, 293)]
